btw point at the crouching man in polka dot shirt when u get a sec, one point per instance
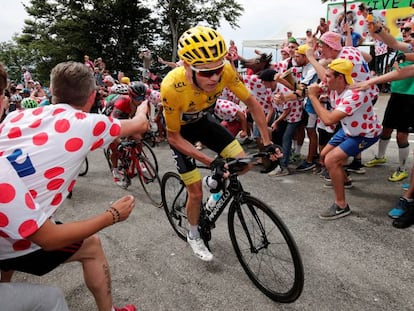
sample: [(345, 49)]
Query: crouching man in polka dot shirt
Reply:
[(41, 153), (360, 128)]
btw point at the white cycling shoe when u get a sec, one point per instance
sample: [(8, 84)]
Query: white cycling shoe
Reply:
[(199, 249)]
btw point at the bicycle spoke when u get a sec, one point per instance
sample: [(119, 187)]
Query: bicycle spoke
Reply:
[(174, 198), (150, 180), (266, 250)]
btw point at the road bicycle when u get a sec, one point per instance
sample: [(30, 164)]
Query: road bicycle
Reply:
[(134, 162), (263, 244), (145, 149)]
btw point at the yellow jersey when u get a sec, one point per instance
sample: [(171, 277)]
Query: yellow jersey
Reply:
[(184, 103)]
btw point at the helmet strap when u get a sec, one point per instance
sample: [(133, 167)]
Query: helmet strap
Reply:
[(195, 79)]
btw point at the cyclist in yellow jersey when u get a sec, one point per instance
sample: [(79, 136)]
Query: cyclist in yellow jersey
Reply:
[(188, 94)]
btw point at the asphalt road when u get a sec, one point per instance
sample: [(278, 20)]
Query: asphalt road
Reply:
[(356, 263)]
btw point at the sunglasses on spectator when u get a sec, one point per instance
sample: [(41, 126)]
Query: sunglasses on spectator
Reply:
[(406, 29), (208, 73)]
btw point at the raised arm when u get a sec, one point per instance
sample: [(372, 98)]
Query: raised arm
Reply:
[(400, 74), (377, 30)]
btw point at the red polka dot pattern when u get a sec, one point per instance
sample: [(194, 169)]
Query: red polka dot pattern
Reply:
[(7, 193), (74, 144), (361, 119), (4, 220), (29, 201), (227, 110), (36, 123), (40, 139), (15, 132), (65, 135), (21, 245), (62, 126), (53, 172), (28, 228)]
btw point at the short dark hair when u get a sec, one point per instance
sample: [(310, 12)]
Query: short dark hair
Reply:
[(72, 83)]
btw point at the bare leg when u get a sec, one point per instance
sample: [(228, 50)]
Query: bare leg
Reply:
[(334, 163), (95, 271), (195, 195), (313, 144)]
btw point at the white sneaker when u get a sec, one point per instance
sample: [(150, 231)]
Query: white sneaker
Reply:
[(116, 175), (119, 179), (122, 184), (279, 171), (199, 249)]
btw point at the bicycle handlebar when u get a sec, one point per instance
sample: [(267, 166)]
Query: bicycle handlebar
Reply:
[(237, 164)]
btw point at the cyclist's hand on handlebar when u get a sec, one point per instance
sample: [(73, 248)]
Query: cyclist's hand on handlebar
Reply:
[(219, 171), (274, 152), (124, 206), (218, 166)]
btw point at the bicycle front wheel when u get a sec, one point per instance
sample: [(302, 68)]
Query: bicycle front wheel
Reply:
[(150, 180), (174, 198), (108, 154), (84, 167), (266, 250), (147, 152)]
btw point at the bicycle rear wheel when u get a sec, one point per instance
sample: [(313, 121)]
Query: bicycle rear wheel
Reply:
[(174, 198), (84, 167), (150, 180), (266, 250)]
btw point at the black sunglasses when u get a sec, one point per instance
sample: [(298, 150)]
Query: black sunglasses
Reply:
[(208, 73), (406, 29)]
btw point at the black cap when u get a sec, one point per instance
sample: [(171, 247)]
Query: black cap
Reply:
[(267, 75)]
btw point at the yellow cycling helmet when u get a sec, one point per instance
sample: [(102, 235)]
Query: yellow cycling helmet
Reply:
[(200, 44)]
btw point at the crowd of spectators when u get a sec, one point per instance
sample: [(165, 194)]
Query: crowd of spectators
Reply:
[(320, 88)]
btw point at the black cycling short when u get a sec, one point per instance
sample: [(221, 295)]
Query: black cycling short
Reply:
[(209, 132), (40, 262), (399, 114)]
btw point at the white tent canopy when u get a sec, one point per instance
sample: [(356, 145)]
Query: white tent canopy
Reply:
[(268, 44)]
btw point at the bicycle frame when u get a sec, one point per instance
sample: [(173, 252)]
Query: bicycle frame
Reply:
[(129, 158), (233, 191)]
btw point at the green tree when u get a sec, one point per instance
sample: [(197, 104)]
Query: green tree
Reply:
[(14, 56), (62, 30), (179, 15)]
